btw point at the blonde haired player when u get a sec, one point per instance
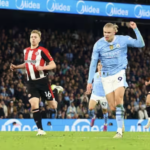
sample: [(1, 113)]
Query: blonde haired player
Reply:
[(37, 62), (98, 96), (111, 50)]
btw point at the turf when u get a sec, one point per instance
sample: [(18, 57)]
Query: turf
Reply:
[(74, 141)]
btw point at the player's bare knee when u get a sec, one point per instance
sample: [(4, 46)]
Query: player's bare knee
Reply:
[(34, 106), (112, 108), (119, 100), (34, 103), (54, 106), (91, 108), (147, 103)]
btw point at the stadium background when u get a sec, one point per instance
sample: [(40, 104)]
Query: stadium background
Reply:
[(70, 39)]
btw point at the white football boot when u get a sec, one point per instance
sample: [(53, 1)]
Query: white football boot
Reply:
[(148, 124), (41, 132), (118, 134)]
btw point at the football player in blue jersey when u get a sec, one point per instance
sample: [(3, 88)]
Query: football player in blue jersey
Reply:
[(111, 50), (98, 96)]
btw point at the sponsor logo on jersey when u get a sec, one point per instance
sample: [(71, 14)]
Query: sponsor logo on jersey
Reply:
[(111, 47)]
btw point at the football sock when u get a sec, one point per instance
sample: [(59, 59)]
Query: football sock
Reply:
[(119, 116), (105, 118), (37, 118)]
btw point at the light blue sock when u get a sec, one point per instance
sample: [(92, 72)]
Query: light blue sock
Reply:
[(105, 118), (119, 115), (92, 115)]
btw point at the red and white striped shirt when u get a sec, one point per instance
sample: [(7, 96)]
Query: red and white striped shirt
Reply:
[(36, 57)]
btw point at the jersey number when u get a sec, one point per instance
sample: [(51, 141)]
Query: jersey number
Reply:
[(104, 103), (48, 94), (120, 78)]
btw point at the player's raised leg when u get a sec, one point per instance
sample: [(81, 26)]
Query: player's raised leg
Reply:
[(53, 104), (147, 83)]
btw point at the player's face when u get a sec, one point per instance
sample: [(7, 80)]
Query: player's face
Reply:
[(99, 67), (34, 39), (109, 34)]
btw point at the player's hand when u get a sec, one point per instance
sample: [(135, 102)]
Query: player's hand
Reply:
[(40, 68), (88, 92), (89, 87), (13, 67), (147, 82), (133, 25)]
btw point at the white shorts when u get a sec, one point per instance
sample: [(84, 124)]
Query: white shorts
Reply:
[(102, 100), (111, 83)]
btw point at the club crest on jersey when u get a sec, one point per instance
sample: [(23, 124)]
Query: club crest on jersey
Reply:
[(118, 46), (111, 47)]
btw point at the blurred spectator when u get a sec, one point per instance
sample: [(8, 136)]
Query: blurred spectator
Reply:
[(20, 116), (71, 112), (60, 103), (128, 112), (80, 111), (14, 114), (2, 115), (4, 93), (26, 114), (141, 110), (4, 108), (11, 109), (20, 108), (12, 90)]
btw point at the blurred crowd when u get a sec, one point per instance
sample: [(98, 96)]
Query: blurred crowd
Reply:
[(71, 51)]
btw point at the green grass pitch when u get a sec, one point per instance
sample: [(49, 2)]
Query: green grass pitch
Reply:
[(74, 141)]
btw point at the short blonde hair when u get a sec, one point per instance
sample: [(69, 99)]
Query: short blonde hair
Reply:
[(111, 25), (37, 32)]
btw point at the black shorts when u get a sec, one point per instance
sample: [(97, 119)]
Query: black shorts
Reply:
[(148, 88), (55, 92), (41, 89)]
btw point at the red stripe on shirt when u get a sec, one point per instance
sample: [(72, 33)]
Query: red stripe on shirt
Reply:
[(34, 54), (42, 62), (51, 90), (26, 64)]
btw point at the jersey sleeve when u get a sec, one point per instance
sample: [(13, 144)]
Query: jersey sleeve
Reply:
[(46, 55), (93, 81), (95, 58), (139, 42), (95, 54)]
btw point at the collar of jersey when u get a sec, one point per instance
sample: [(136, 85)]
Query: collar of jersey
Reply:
[(34, 48), (112, 41)]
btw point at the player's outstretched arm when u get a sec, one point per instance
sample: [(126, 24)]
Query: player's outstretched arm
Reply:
[(95, 57), (50, 66), (139, 42), (13, 67), (92, 70)]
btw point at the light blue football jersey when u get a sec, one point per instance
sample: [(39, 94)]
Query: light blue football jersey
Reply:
[(98, 86), (113, 55)]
